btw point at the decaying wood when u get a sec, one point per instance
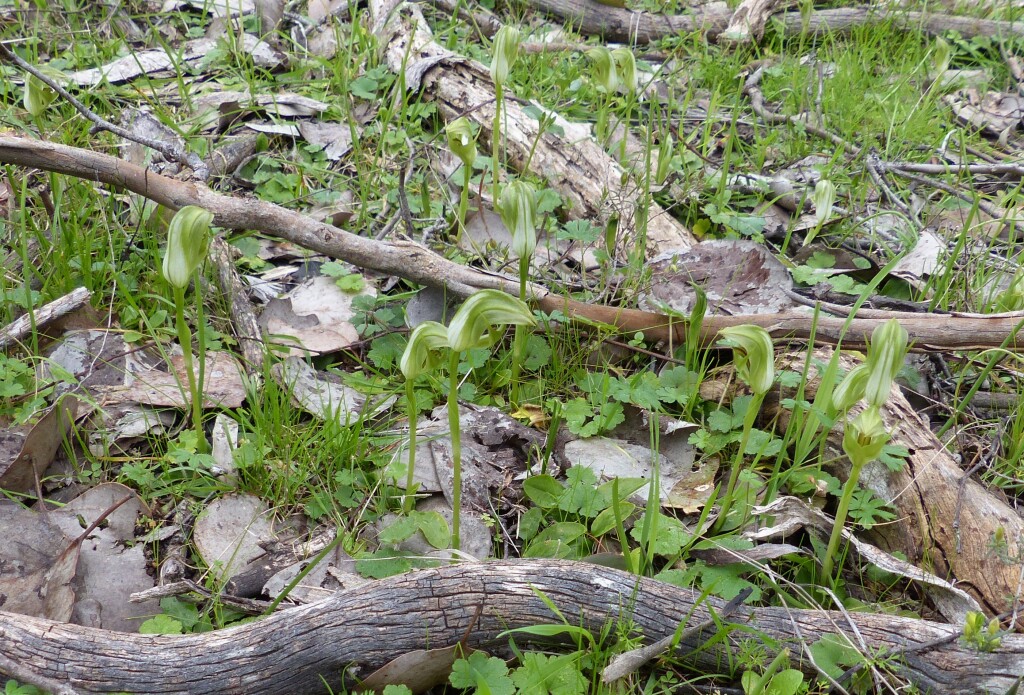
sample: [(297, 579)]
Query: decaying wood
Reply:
[(352, 634), (243, 314), (628, 26), (748, 20), (22, 326)]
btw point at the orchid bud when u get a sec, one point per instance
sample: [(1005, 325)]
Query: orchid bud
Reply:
[(462, 140), (865, 437), (824, 198), (665, 149), (474, 323), (38, 95), (518, 208), (753, 355), (625, 61), (605, 76), (851, 388), (422, 354), (188, 238), (506, 50), (885, 359), (942, 53)]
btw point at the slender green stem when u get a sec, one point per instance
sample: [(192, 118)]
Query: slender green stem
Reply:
[(185, 340), (197, 403), (519, 341), (305, 571), (467, 175), (499, 98), (410, 402), (748, 425), (837, 528), (453, 426)]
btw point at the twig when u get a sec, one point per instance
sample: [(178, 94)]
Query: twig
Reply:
[(170, 151), (983, 205), (751, 89), (873, 165)]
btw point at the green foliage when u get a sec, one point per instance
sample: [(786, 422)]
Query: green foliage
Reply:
[(985, 636), (482, 675)]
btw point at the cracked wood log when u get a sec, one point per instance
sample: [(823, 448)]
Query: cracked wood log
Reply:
[(628, 26), (352, 634)]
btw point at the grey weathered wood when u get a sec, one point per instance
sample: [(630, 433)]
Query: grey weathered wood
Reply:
[(356, 633)]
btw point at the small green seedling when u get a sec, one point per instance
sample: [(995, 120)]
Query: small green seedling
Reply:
[(979, 635)]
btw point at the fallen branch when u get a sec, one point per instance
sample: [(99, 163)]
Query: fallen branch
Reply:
[(336, 641), (627, 26), (409, 260)]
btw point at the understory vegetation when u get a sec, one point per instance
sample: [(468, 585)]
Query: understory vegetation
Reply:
[(872, 172)]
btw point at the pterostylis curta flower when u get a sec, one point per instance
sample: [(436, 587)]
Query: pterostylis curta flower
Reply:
[(754, 358), (422, 355), (753, 355), (665, 150), (462, 143), (604, 73), (506, 49), (518, 208), (625, 62), (824, 198), (475, 325), (886, 353), (188, 240), (850, 389), (476, 321), (38, 95)]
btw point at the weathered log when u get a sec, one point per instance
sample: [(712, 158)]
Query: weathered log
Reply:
[(350, 635), (628, 26)]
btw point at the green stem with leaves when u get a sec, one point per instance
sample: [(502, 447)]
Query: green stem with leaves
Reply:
[(837, 529), (734, 475)]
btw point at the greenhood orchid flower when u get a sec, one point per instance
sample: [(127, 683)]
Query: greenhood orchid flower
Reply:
[(518, 208), (474, 323), (38, 95), (885, 359), (851, 388), (753, 354), (865, 437), (462, 140), (422, 353), (506, 50), (625, 61), (605, 75), (188, 239)]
